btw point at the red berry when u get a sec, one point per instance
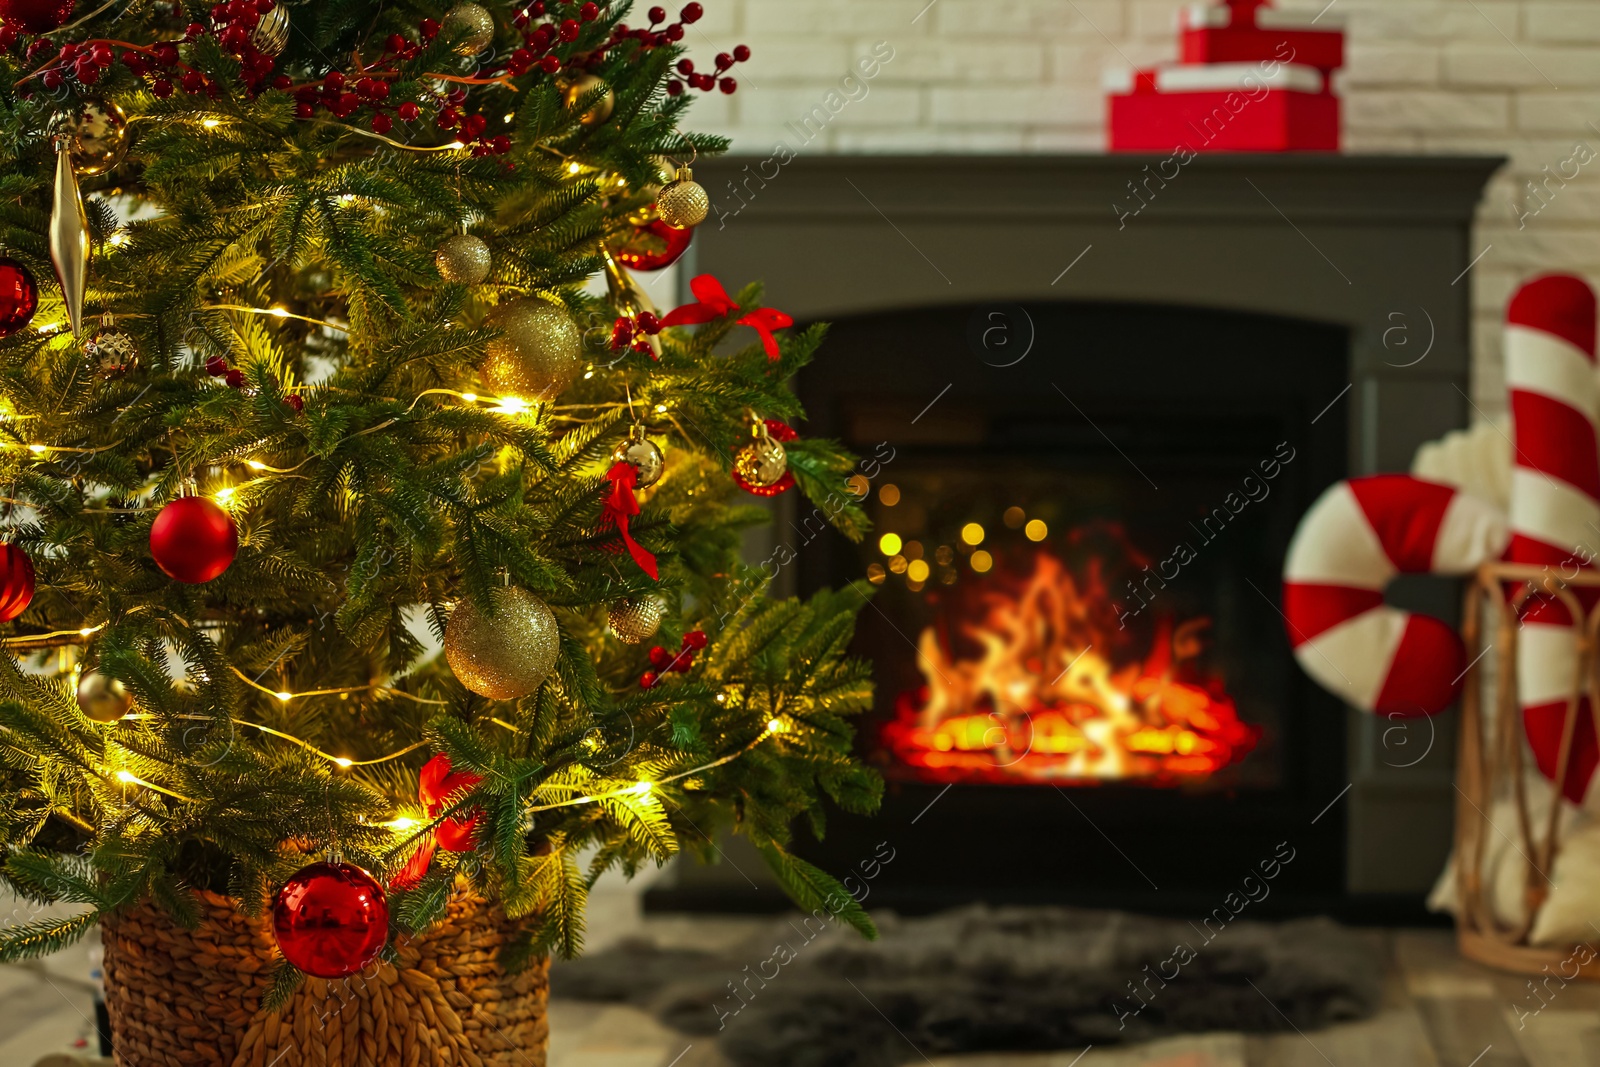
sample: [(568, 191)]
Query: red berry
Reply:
[(282, 82), (674, 87), (234, 378), (473, 126), (659, 658), (671, 33), (378, 90), (647, 680), (216, 366), (536, 8), (742, 54), (729, 86), (193, 81), (296, 401), (51, 78), (589, 11), (8, 35), (685, 66), (649, 323), (549, 64), (234, 38), (395, 43), (334, 80), (162, 88), (102, 53), (67, 51), (658, 14), (429, 29), (86, 71), (570, 30), (691, 12), (382, 123), (500, 143), (724, 61), (409, 111), (301, 111), (448, 118), (166, 53)]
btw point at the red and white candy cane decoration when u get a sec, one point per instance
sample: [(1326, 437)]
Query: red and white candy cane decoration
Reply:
[(1357, 536), (1555, 505)]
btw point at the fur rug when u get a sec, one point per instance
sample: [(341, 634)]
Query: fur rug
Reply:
[(809, 994)]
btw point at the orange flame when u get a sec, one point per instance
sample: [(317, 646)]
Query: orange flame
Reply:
[(1043, 702)]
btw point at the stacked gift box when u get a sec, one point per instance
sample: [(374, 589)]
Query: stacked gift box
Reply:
[(1251, 79)]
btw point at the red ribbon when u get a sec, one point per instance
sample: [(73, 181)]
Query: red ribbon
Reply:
[(712, 302), (456, 834), (619, 507)]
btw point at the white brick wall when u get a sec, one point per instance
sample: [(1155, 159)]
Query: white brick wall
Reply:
[(1516, 77)]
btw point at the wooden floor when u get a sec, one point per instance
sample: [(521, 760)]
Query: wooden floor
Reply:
[(1439, 1012)]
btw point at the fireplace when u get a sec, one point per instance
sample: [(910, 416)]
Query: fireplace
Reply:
[(1093, 438)]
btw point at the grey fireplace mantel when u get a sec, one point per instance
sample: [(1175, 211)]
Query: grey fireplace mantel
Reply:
[(1380, 245)]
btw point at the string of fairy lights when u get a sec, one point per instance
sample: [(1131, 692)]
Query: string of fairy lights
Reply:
[(510, 406)]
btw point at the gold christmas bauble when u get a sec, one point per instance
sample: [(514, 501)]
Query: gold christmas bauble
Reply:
[(507, 654), (636, 618), (683, 202), (463, 259), (103, 699), (581, 86), (271, 35), (99, 132), (647, 460), (762, 463), (475, 22), (111, 348), (539, 351)]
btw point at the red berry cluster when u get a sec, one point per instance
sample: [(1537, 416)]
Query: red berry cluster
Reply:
[(561, 29), (630, 331), (705, 82), (664, 661), (218, 367), (234, 25), (659, 32)]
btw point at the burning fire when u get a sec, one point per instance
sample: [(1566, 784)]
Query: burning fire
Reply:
[(1043, 701)]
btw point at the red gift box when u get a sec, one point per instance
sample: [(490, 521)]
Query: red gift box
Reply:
[(1244, 32), (1233, 107)]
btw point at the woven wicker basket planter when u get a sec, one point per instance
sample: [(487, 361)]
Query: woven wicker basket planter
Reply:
[(180, 997)]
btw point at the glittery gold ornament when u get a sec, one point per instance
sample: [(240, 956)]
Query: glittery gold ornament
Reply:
[(583, 85), (762, 463), (472, 20), (539, 351), (99, 137), (463, 259), (505, 655), (69, 236), (639, 450), (111, 348), (636, 618), (103, 699), (271, 34), (683, 202)]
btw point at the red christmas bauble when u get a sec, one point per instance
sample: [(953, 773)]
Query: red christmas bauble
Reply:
[(331, 919), (654, 245), (193, 540), (36, 16), (16, 582), (19, 295)]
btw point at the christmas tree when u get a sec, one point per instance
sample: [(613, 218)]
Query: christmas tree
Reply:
[(302, 379)]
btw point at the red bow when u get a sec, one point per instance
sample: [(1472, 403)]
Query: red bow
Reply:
[(620, 506), (455, 834), (713, 302)]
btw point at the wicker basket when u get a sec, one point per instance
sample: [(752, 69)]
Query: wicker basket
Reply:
[(180, 997), (1491, 764)]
